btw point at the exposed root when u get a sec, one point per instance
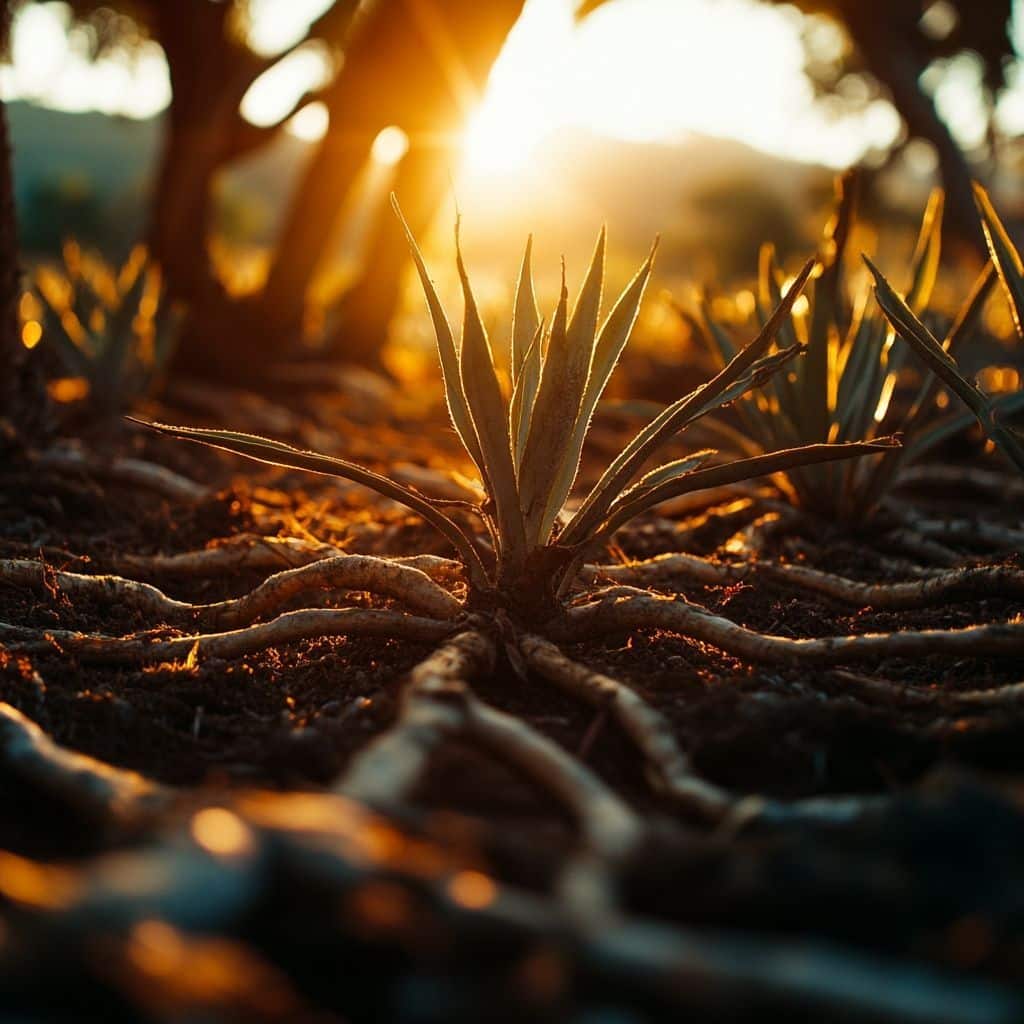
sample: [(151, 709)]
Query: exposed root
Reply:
[(977, 582), (173, 890), (1009, 697), (682, 530), (641, 610), (307, 624), (975, 534), (432, 710), (663, 568), (134, 472), (922, 548), (754, 537), (712, 497), (667, 767), (972, 582), (437, 705), (253, 552), (89, 787), (997, 486), (797, 979), (346, 572)]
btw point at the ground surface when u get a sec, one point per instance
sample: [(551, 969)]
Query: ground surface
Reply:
[(934, 881)]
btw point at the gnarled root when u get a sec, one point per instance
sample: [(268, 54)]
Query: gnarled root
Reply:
[(997, 486), (256, 553), (307, 624), (668, 768), (1008, 697), (921, 547), (975, 534), (438, 705), (681, 531), (982, 581), (639, 610), (344, 572), (431, 712), (133, 472), (971, 582), (90, 787)]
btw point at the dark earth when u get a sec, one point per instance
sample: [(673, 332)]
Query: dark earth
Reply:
[(933, 882)]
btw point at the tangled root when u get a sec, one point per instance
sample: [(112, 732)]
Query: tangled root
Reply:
[(306, 624), (977, 582), (103, 793), (344, 572), (628, 610)]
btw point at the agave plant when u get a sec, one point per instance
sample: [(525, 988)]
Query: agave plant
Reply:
[(107, 325), (843, 388), (991, 413), (527, 445)]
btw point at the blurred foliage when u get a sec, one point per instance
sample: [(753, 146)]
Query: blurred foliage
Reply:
[(853, 382), (993, 413), (737, 214), (105, 330), (932, 30)]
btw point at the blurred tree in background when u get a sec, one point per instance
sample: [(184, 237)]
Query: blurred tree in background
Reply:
[(22, 391), (890, 45), (421, 65), (895, 42)]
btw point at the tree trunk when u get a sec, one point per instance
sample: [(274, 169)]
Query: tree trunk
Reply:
[(890, 53), (23, 399), (367, 307), (417, 64)]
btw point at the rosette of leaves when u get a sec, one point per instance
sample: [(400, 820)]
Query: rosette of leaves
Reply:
[(844, 388), (992, 413), (527, 443), (109, 328)]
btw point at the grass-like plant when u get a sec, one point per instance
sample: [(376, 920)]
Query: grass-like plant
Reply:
[(527, 445), (938, 356), (108, 326), (843, 388)]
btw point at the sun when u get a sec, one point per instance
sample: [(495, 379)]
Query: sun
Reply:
[(500, 138)]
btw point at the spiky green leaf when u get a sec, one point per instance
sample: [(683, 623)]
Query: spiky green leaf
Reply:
[(458, 408)]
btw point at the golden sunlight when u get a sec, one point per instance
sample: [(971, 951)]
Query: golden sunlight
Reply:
[(500, 138), (658, 70), (645, 70)]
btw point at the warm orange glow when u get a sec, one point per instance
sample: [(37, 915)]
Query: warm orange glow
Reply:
[(999, 379), (472, 890), (500, 139), (156, 948), (37, 885), (221, 832), (305, 812), (68, 389), (885, 398), (310, 123), (380, 906), (390, 146), (173, 973), (31, 332)]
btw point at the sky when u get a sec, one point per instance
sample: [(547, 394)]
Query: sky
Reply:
[(645, 70)]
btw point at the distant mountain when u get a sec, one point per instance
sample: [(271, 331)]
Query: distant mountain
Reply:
[(80, 174), (703, 195), (88, 175)]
